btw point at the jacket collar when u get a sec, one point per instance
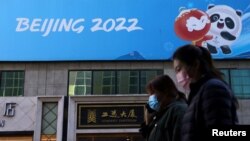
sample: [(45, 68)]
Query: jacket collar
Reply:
[(159, 114), (195, 87)]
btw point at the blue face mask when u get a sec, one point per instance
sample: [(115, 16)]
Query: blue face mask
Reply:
[(153, 102)]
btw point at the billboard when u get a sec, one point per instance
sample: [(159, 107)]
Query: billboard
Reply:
[(89, 30)]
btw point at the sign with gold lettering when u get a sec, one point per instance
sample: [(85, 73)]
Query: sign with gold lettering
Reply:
[(111, 115)]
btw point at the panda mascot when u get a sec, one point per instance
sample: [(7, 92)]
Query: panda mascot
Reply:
[(225, 28)]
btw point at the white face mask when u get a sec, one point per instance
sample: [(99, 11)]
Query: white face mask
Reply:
[(183, 79)]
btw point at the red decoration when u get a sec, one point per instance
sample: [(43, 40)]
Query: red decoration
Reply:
[(192, 25)]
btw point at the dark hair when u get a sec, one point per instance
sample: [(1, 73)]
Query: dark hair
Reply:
[(165, 84), (149, 88), (190, 54)]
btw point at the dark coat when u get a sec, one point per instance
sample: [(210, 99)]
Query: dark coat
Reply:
[(167, 124), (211, 103)]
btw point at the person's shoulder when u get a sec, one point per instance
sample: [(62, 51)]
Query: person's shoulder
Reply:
[(216, 88), (178, 109), (215, 83), (179, 105)]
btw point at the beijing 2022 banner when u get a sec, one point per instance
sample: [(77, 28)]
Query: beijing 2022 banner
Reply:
[(86, 30)]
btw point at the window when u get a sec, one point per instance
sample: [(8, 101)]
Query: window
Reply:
[(127, 82), (146, 76), (104, 82), (12, 83), (239, 81), (80, 82), (49, 121), (110, 82)]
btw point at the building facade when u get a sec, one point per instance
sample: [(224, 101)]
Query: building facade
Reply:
[(50, 106), (77, 70)]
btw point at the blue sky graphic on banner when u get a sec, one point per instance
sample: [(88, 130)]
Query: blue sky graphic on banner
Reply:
[(72, 30)]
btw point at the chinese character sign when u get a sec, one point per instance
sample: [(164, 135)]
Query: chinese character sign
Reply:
[(10, 110), (117, 115)]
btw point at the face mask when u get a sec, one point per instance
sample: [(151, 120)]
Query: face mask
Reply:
[(153, 102), (183, 79)]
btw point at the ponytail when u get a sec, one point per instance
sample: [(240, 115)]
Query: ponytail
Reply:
[(209, 64)]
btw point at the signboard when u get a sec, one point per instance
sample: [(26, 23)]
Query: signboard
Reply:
[(82, 30), (107, 116)]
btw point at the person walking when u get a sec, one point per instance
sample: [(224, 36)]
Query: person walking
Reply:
[(211, 102), (165, 123)]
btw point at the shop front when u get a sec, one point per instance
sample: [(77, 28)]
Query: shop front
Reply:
[(106, 118)]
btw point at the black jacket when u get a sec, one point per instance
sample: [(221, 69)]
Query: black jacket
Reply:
[(166, 125), (211, 103)]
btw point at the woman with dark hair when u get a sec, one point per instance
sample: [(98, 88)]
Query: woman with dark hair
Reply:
[(165, 123), (210, 102)]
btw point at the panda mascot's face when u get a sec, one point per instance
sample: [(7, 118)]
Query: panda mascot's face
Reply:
[(225, 25)]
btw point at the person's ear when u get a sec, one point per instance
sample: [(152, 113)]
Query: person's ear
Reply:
[(194, 69)]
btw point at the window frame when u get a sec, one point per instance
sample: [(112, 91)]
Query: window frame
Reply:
[(161, 71), (230, 83), (14, 71)]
